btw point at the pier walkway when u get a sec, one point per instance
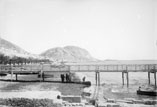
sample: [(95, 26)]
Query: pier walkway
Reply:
[(48, 69)]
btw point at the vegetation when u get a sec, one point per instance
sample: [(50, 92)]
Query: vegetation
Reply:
[(19, 60), (25, 102)]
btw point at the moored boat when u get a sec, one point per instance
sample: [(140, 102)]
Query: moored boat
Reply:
[(147, 92)]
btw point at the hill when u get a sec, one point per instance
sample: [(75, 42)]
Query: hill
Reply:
[(9, 49), (68, 53)]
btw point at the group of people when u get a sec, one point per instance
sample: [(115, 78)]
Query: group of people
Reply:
[(65, 78)]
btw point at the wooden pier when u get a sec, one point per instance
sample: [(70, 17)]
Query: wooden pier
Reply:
[(123, 68), (45, 69)]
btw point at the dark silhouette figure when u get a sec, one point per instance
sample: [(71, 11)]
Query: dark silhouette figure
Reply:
[(139, 88), (84, 78), (67, 78), (62, 77)]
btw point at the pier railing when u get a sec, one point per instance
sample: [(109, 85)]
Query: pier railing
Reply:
[(79, 68), (113, 68)]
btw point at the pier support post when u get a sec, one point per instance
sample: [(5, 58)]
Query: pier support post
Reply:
[(16, 76), (11, 72), (148, 77), (125, 72), (11, 75), (43, 76), (41, 73), (155, 78), (127, 79), (123, 78), (96, 78)]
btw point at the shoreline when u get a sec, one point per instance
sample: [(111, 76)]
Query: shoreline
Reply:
[(38, 93)]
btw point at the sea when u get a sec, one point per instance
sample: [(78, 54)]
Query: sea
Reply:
[(112, 87), (111, 82)]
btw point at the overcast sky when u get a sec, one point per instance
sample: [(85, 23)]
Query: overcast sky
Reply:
[(108, 29)]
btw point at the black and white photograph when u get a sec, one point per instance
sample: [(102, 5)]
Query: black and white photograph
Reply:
[(78, 53)]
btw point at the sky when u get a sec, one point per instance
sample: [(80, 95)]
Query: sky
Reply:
[(108, 29)]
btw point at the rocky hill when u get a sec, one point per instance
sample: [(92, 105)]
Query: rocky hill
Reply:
[(68, 53), (9, 49)]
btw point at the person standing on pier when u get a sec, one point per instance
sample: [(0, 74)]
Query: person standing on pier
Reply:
[(67, 78), (84, 78), (62, 77)]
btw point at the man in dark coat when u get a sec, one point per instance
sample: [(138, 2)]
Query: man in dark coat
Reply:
[(67, 78), (62, 77)]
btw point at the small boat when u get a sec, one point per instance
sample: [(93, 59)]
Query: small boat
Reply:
[(147, 92)]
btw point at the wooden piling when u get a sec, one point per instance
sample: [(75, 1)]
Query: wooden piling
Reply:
[(148, 77), (41, 73), (155, 78), (149, 74), (127, 79), (99, 78), (127, 74), (16, 76), (96, 77), (123, 78), (43, 76), (11, 73)]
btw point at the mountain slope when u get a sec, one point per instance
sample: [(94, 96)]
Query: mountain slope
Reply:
[(10, 49), (68, 53)]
